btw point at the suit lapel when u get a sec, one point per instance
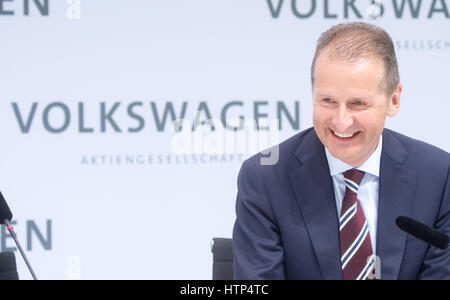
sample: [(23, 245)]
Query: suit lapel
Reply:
[(315, 196), (396, 195)]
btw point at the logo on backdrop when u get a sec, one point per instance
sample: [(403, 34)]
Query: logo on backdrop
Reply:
[(38, 8), (37, 235), (359, 9), (369, 10), (201, 132), (116, 117)]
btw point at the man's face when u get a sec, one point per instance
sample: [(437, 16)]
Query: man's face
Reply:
[(350, 106)]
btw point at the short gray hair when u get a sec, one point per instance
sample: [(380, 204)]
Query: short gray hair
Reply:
[(353, 41)]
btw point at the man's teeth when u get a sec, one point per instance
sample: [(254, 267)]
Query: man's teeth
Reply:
[(344, 135)]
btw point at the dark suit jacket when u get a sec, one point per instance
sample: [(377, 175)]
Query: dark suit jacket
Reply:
[(287, 223)]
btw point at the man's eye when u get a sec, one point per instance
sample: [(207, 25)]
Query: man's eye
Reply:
[(327, 100), (359, 102)]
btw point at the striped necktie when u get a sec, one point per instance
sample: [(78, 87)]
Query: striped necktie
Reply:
[(356, 248)]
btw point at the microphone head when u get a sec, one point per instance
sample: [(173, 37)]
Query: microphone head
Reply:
[(8, 267), (5, 212), (423, 232)]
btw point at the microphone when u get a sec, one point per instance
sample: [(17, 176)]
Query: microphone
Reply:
[(5, 219), (8, 268), (423, 232), (5, 212)]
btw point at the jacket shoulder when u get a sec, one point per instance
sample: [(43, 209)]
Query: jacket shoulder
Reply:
[(422, 153)]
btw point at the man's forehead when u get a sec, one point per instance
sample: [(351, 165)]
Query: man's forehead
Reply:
[(331, 68), (330, 55), (336, 83)]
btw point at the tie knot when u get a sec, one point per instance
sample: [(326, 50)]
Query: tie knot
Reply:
[(353, 178)]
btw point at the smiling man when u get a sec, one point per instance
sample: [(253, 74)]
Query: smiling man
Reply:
[(327, 209)]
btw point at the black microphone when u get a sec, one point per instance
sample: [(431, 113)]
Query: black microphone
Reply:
[(5, 219), (5, 212), (423, 232), (8, 267)]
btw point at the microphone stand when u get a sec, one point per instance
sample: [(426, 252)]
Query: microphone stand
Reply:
[(13, 235)]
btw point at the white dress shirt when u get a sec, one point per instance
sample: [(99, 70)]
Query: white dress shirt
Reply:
[(368, 189)]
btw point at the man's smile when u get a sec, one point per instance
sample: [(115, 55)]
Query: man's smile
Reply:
[(345, 136)]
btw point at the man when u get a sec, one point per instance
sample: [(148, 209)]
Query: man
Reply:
[(327, 208)]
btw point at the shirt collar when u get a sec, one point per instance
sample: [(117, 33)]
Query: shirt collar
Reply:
[(371, 165)]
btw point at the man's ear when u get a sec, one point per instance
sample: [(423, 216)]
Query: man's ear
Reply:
[(394, 101)]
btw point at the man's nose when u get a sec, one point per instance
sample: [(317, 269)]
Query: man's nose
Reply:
[(342, 119)]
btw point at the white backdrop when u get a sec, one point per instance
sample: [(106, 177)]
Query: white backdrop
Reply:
[(94, 203)]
